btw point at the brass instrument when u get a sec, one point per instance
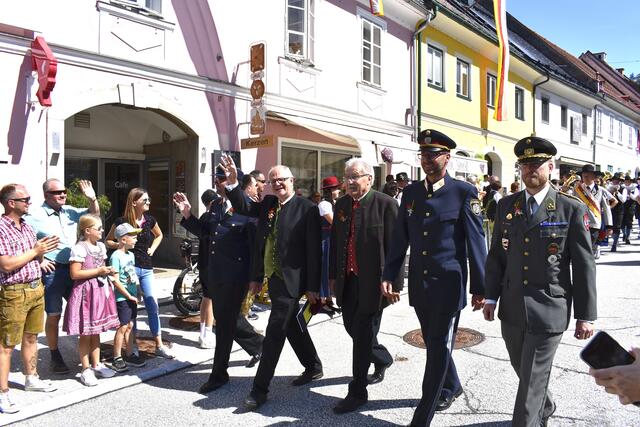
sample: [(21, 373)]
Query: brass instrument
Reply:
[(606, 177), (570, 182)]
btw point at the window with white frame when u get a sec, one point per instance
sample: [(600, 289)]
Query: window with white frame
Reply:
[(545, 109), (585, 123), (610, 168), (435, 67), (620, 131), (564, 114), (611, 119), (462, 79), (300, 29), (630, 136), (519, 103), (371, 52), (151, 6), (599, 122), (491, 90)]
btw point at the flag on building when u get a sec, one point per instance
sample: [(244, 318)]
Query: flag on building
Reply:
[(500, 15), (376, 7)]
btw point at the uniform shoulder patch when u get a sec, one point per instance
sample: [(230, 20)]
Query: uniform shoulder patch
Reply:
[(476, 206)]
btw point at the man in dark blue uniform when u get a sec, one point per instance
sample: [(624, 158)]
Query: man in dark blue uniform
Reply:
[(230, 236), (441, 219)]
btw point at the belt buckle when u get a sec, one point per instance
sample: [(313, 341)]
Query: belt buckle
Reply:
[(34, 284)]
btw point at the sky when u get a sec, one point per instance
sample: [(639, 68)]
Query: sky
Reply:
[(611, 26)]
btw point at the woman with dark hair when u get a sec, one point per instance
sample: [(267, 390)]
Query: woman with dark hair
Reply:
[(136, 213), (330, 193)]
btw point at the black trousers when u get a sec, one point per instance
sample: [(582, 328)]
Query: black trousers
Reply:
[(438, 333), (363, 329), (595, 232), (247, 337), (283, 324), (227, 299)]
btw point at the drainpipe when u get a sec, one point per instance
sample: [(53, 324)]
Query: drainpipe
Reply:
[(416, 74), (535, 87), (595, 123)]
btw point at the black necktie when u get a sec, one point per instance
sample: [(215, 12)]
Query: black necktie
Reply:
[(532, 206)]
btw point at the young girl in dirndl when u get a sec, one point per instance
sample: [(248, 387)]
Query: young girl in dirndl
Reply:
[(91, 308)]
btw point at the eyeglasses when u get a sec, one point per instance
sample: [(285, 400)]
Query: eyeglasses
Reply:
[(261, 181), (97, 228), (57, 192), (354, 177), (278, 180), (26, 200), (146, 200)]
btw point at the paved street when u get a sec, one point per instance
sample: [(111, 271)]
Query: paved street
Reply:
[(489, 382)]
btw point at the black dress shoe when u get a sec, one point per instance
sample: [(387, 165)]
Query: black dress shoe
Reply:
[(348, 404), (445, 402), (307, 376), (378, 375), (545, 420), (253, 361), (211, 385), (255, 400)]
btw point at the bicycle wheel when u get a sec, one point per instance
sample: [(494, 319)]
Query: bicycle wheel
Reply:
[(187, 292)]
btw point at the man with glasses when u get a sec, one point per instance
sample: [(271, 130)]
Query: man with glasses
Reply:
[(539, 233), (21, 292), (361, 235), (288, 253), (261, 182), (441, 219), (55, 218)]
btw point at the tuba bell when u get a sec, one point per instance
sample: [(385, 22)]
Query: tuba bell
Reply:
[(570, 182)]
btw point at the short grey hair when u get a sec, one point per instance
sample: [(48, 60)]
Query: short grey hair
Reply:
[(362, 164), (282, 168), (45, 185)]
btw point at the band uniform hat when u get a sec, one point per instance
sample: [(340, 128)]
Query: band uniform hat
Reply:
[(434, 141), (589, 168), (617, 176), (402, 176), (534, 150), (125, 228), (330, 182), (208, 196), (627, 177)]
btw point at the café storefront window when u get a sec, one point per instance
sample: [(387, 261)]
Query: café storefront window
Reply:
[(310, 166)]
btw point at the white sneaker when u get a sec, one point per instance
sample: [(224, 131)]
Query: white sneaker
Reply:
[(6, 404), (34, 383), (206, 342), (164, 352), (88, 378), (103, 372)]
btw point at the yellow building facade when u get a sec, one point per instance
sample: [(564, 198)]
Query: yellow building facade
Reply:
[(458, 69)]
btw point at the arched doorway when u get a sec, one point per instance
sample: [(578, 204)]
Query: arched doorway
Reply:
[(120, 147), (494, 164)]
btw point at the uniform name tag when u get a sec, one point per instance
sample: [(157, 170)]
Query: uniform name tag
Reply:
[(553, 224)]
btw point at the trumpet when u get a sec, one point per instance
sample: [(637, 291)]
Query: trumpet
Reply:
[(606, 177), (570, 182)]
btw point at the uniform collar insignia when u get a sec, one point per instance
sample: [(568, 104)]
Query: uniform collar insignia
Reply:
[(438, 185)]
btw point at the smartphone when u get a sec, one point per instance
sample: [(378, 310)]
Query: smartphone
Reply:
[(604, 352)]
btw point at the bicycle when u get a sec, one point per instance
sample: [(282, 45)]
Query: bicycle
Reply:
[(187, 290)]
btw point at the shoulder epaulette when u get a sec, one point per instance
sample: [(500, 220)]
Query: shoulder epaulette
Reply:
[(570, 196)]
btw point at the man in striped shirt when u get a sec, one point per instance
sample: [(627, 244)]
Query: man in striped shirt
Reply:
[(21, 292)]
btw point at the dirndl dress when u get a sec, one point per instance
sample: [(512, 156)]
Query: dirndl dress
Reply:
[(91, 307)]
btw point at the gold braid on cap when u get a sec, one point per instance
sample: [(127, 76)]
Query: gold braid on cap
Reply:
[(544, 156), (444, 147)]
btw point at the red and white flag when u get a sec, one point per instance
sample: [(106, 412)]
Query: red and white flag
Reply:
[(500, 15), (376, 7)]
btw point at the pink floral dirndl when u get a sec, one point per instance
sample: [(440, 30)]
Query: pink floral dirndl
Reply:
[(91, 307)]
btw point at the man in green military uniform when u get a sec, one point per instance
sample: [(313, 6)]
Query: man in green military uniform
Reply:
[(539, 232)]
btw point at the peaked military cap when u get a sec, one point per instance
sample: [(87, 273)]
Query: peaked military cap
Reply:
[(435, 141), (534, 150)]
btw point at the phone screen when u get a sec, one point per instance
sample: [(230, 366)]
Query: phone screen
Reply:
[(604, 352)]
